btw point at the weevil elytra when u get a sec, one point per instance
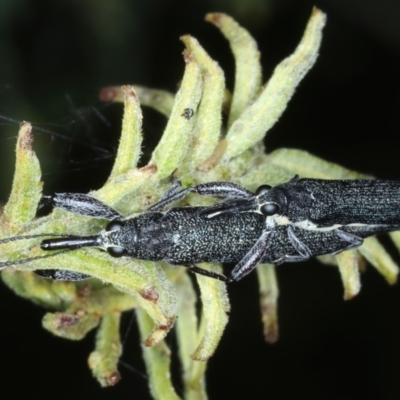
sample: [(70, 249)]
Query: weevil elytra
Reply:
[(291, 222)]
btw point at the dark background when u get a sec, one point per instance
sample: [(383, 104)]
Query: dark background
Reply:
[(56, 55)]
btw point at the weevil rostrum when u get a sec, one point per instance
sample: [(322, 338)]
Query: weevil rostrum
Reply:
[(288, 223)]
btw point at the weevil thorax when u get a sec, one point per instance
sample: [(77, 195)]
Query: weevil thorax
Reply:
[(288, 203)]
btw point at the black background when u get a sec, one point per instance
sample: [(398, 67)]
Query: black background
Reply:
[(55, 57)]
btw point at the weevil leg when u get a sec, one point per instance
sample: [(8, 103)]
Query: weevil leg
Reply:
[(301, 248), (61, 275), (214, 189), (289, 259), (252, 258), (82, 204), (353, 240), (211, 274), (174, 188), (229, 207)]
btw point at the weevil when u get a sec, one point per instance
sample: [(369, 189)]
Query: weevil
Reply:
[(352, 209), (233, 231)]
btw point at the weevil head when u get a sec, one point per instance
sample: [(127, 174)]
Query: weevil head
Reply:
[(271, 201), (119, 238)]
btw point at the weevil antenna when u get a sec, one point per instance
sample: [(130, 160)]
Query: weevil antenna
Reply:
[(14, 238), (4, 264)]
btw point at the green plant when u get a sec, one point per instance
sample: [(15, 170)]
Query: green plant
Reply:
[(197, 149)]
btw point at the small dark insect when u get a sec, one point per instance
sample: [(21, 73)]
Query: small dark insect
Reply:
[(291, 222), (188, 113)]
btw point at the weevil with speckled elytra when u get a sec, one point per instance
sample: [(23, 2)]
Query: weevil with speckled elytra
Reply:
[(288, 223), (306, 211)]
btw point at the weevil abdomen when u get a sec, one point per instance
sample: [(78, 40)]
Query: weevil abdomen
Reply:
[(184, 236), (199, 239), (333, 203)]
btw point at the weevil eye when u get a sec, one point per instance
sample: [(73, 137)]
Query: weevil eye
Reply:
[(269, 209), (262, 189), (114, 225), (116, 251)]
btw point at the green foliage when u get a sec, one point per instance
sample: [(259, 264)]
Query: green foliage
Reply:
[(196, 149)]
